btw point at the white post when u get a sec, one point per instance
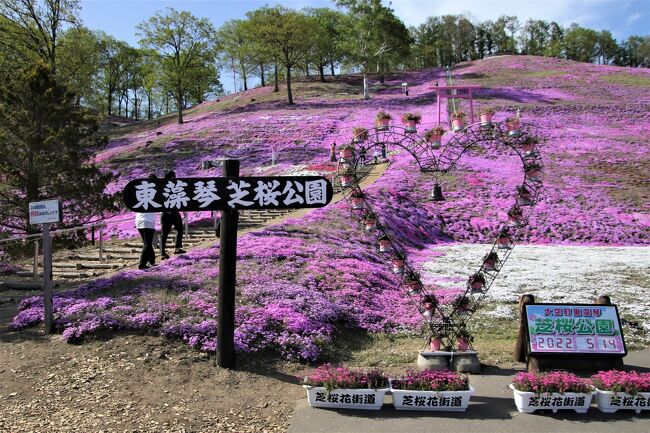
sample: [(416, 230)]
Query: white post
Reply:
[(186, 225), (47, 279)]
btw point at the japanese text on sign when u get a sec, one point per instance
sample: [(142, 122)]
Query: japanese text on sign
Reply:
[(197, 194), (574, 329)]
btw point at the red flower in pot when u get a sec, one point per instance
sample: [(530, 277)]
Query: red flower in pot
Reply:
[(434, 137), (411, 120), (383, 120), (458, 123)]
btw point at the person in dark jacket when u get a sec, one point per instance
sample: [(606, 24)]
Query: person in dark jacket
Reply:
[(146, 225), (168, 219)]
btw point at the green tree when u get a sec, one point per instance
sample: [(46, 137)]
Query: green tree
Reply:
[(184, 44), (113, 64), (237, 48), (79, 59), (37, 26), (46, 144), (326, 39), (580, 44), (607, 47)]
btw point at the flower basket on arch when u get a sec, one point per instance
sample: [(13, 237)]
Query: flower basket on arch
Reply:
[(382, 120), (485, 117), (434, 137), (411, 120), (458, 121), (359, 134)]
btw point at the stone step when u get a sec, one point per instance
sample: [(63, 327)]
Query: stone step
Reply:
[(85, 257), (74, 274), (27, 274), (64, 265), (122, 257), (120, 250), (99, 265)]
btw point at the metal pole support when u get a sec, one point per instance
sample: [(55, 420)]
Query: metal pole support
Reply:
[(186, 225), (47, 279), (227, 278)]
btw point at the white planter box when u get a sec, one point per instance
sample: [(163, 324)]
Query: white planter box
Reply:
[(529, 402), (447, 401), (610, 402), (366, 399)]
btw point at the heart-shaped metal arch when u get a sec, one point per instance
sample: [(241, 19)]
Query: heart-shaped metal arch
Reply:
[(449, 322)]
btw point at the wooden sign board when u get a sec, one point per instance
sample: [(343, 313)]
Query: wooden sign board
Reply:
[(574, 329), (227, 193)]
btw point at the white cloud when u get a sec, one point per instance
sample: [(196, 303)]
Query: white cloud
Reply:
[(633, 18)]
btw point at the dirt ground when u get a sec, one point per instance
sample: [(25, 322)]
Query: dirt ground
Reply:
[(133, 383)]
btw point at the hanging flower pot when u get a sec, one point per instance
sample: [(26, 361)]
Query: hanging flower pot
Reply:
[(383, 120), (356, 199), (384, 244), (513, 126), (503, 240), (490, 261), (346, 151), (429, 304), (485, 117), (458, 122), (434, 137), (462, 344), (530, 147), (398, 265), (515, 216), (359, 135), (411, 120), (369, 223), (533, 172), (477, 283), (524, 197), (346, 180)]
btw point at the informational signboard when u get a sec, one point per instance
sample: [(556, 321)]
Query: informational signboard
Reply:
[(234, 193), (574, 329), (44, 212)]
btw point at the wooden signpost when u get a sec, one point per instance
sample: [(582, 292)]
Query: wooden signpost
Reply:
[(570, 336), (229, 194), (46, 212)]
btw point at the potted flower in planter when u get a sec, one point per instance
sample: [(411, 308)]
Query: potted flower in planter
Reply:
[(554, 390), (524, 197), (477, 283), (515, 216), (346, 151), (429, 304), (462, 305), (398, 264), (435, 342), (458, 122), (620, 390), (359, 134), (529, 147), (490, 261), (356, 199), (463, 340), (340, 387), (384, 244), (412, 281), (369, 222), (431, 390), (434, 137), (382, 120), (503, 240), (485, 117), (533, 171), (513, 126), (411, 120)]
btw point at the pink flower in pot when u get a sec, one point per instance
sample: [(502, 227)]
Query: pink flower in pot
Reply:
[(513, 126), (458, 123), (477, 282), (411, 120), (398, 265), (370, 223), (434, 137), (384, 244), (524, 197), (346, 152), (503, 241), (485, 116), (429, 306), (346, 180), (515, 216), (462, 344), (383, 120), (359, 135), (436, 343), (356, 199), (490, 261)]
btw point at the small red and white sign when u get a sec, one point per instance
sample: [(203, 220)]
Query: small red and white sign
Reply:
[(43, 212)]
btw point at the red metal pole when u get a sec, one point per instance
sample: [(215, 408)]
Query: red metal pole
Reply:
[(471, 107), (438, 93)]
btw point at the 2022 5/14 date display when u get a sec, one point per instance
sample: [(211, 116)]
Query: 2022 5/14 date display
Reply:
[(545, 343), (574, 329)]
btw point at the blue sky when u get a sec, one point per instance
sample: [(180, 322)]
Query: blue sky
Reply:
[(622, 17)]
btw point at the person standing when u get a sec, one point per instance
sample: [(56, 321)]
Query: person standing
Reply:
[(383, 150), (169, 218), (333, 152), (146, 225)]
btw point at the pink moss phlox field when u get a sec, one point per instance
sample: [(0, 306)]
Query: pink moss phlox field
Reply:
[(301, 281)]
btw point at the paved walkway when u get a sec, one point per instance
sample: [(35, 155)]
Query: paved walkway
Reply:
[(491, 410)]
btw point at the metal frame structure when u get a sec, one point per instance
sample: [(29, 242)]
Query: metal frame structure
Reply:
[(447, 322)]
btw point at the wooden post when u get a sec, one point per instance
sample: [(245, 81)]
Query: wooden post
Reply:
[(47, 279), (36, 260), (101, 245), (520, 345), (186, 226), (227, 278), (92, 235)]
